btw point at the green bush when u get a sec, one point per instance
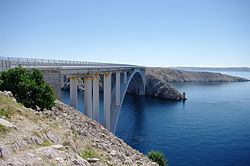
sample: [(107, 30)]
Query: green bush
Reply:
[(157, 157), (28, 87), (88, 152)]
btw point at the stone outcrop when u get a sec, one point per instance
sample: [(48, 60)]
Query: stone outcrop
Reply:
[(160, 88), (62, 136)]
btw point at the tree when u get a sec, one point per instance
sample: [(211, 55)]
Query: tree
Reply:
[(28, 87), (157, 157)]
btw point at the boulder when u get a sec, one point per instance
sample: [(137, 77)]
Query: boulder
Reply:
[(5, 123), (4, 151)]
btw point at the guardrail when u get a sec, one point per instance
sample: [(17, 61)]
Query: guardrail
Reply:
[(14, 61)]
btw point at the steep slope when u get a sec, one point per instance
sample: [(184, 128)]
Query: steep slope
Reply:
[(61, 136)]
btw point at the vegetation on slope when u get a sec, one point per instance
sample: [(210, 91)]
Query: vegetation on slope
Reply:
[(157, 157), (28, 87)]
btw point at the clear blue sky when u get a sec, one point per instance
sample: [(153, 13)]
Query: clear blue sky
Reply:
[(144, 32)]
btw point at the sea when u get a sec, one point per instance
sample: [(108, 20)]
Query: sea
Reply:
[(211, 128)]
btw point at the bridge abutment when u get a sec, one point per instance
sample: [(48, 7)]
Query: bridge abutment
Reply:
[(53, 77)]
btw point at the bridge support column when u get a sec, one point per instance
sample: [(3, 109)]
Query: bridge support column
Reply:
[(88, 96), (96, 97), (125, 77), (107, 100), (73, 92), (118, 89)]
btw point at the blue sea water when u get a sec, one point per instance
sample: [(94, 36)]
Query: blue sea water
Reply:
[(211, 128)]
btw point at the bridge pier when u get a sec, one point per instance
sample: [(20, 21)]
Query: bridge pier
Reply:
[(107, 100), (117, 89), (88, 103), (96, 97), (73, 91), (125, 77)]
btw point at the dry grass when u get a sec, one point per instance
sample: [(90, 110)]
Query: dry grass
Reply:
[(8, 107)]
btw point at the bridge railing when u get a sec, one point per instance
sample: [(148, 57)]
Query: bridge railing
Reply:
[(14, 61)]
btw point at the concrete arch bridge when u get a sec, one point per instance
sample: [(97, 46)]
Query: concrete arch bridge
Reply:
[(117, 80)]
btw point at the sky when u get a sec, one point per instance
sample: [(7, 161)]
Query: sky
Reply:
[(142, 32)]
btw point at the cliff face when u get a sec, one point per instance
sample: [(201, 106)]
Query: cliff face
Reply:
[(172, 75), (160, 88), (61, 136)]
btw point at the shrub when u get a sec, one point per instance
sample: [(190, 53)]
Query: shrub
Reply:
[(3, 130), (89, 153), (46, 143), (6, 114), (157, 157), (28, 87)]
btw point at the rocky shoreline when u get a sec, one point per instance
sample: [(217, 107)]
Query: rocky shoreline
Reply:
[(61, 136), (157, 81)]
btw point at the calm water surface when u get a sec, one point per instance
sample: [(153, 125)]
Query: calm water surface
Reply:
[(211, 128)]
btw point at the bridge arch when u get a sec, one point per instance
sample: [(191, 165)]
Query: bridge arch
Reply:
[(134, 85)]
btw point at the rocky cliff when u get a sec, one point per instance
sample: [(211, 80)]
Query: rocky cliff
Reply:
[(173, 75), (160, 88), (61, 136)]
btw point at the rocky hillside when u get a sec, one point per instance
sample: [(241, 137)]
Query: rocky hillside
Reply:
[(172, 75), (61, 136)]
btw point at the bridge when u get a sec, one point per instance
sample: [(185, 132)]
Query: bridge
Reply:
[(117, 80)]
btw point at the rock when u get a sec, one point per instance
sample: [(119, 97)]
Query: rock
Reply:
[(93, 160), (23, 143), (49, 153), (71, 145), (19, 110), (160, 88), (113, 153), (33, 140), (52, 138), (57, 146), (59, 159), (6, 123), (4, 151), (8, 94), (79, 161)]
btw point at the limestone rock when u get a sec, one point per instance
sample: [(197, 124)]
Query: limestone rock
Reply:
[(6, 123), (161, 89), (93, 160), (6, 93), (113, 153), (4, 151), (71, 145)]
